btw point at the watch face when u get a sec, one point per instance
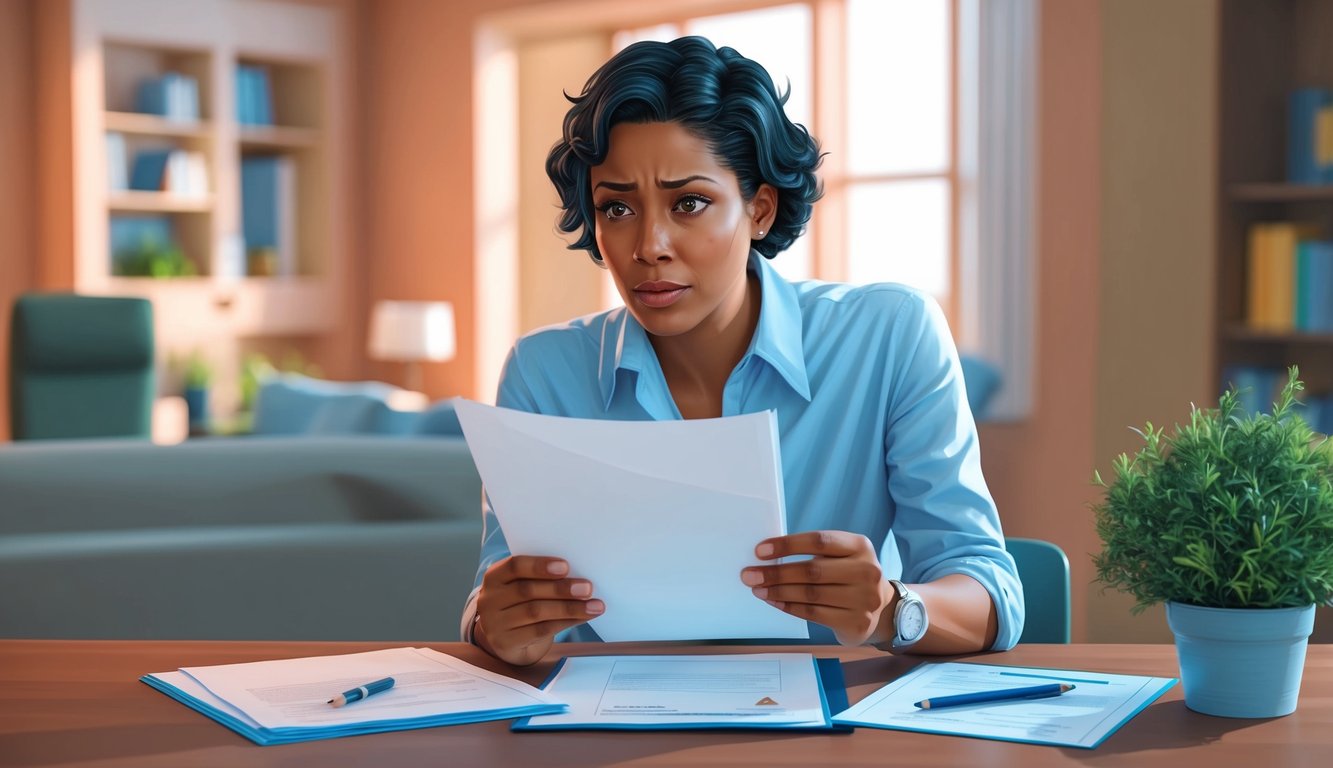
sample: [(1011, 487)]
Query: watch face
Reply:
[(912, 621)]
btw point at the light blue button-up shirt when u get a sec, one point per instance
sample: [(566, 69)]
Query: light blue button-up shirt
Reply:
[(876, 434)]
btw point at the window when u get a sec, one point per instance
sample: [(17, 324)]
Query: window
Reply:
[(889, 176)]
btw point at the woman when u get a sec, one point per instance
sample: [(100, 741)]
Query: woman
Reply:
[(683, 176)]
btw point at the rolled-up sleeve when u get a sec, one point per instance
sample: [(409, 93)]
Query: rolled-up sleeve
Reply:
[(945, 520)]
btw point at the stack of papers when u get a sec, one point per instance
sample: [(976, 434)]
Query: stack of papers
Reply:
[(789, 691), (1084, 717), (285, 701), (662, 540)]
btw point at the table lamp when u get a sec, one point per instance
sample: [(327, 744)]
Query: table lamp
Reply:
[(410, 332)]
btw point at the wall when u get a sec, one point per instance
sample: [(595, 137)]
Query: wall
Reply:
[(17, 234), (1158, 161), (1038, 469)]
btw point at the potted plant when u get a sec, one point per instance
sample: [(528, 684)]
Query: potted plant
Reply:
[(1229, 521), (198, 376)]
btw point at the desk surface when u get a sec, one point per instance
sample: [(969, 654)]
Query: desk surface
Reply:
[(80, 702)]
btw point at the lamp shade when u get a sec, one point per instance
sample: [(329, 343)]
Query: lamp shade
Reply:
[(412, 330)]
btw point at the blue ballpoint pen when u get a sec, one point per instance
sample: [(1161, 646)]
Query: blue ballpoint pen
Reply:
[(361, 692), (1007, 694)]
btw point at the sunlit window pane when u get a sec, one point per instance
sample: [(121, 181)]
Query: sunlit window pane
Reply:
[(779, 38), (898, 86), (661, 33), (798, 261), (899, 232)]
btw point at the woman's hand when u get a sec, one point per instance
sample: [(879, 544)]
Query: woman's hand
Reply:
[(841, 587), (524, 602)]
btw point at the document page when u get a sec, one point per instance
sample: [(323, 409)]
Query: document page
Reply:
[(766, 689), (294, 693), (661, 516), (1083, 717)]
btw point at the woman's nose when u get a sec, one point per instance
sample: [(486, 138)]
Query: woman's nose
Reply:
[(654, 241)]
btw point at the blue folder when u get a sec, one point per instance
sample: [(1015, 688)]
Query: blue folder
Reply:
[(268, 736), (830, 680)]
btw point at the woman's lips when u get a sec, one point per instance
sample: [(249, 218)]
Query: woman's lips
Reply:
[(660, 293)]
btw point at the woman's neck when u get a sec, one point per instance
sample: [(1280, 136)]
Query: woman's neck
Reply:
[(697, 364)]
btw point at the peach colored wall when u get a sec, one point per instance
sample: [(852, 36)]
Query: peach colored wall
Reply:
[(1038, 469), (1159, 160), (17, 234)]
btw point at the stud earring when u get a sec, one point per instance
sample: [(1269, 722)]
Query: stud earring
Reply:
[(761, 233)]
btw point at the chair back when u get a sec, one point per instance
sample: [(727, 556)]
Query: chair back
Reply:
[(1044, 571), (81, 366)]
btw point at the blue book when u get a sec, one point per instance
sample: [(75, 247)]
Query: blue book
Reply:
[(254, 101), (1315, 259), (150, 166), (150, 97), (268, 208), (1303, 105)]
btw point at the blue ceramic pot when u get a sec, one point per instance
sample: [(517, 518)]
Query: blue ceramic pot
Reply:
[(196, 403), (1241, 662)]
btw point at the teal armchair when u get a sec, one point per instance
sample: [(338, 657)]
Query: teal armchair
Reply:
[(1044, 571), (81, 366)]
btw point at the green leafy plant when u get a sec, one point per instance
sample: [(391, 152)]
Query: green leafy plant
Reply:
[(1232, 510), (198, 373), (153, 259)]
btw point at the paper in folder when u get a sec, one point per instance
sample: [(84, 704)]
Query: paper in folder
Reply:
[(661, 516), (782, 691), (286, 701)]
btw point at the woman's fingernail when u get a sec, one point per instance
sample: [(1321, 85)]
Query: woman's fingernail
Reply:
[(774, 604), (557, 568), (581, 590), (594, 606), (764, 550), (761, 593), (752, 578)]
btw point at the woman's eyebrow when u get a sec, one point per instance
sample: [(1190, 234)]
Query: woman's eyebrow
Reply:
[(678, 183), (620, 186)]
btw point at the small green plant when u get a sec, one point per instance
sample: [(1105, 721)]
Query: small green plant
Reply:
[(198, 373), (153, 259), (1232, 510)]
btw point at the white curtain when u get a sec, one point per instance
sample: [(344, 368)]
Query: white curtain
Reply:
[(997, 175)]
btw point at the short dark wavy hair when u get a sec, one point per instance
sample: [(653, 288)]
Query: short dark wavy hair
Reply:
[(716, 94)]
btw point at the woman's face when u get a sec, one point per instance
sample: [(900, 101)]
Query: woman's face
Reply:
[(673, 229)]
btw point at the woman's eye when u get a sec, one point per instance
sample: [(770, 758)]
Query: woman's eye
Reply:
[(692, 204), (614, 210)]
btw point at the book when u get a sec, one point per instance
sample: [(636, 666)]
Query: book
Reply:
[(117, 162), (150, 169), (268, 209), (1304, 106), (171, 95), (290, 700), (254, 98)]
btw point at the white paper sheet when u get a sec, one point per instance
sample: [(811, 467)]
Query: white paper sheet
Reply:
[(1099, 704), (294, 693), (761, 689), (661, 516)]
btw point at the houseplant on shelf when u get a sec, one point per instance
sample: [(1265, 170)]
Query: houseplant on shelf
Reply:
[(1229, 521), (198, 376)]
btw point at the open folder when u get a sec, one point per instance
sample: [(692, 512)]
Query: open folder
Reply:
[(287, 700), (661, 516), (781, 691)]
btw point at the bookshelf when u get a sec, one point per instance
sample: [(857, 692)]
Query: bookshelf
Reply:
[(225, 288), (1267, 49)]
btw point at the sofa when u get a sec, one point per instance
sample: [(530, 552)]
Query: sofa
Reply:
[(366, 537)]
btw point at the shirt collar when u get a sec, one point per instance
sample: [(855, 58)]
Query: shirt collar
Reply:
[(777, 337)]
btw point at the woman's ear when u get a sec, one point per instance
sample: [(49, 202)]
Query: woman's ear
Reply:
[(763, 211)]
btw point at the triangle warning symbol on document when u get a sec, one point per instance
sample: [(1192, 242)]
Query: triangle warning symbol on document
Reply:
[(766, 702)]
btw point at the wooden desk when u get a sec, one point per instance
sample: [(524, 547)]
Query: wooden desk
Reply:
[(80, 702)]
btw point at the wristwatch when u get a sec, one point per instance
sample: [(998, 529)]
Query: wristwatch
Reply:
[(910, 621)]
